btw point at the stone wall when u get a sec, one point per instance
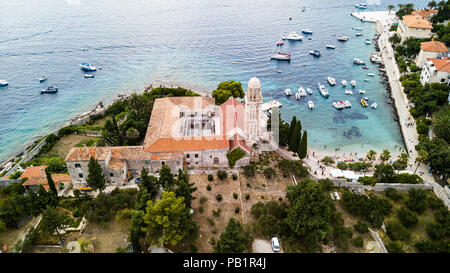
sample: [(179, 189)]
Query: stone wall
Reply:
[(379, 187)]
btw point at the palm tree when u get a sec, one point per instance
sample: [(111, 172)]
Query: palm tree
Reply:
[(441, 125), (385, 155), (390, 7), (422, 157), (109, 135), (441, 4), (432, 4), (132, 133), (371, 155), (404, 158)]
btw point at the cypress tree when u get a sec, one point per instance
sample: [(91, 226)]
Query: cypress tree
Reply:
[(50, 181), (96, 178), (116, 129), (291, 127), (302, 148), (296, 137)]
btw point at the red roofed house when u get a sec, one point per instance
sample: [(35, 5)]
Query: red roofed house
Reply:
[(436, 70), (183, 132), (414, 26), (35, 176), (430, 50)]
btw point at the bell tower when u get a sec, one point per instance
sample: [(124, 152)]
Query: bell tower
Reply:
[(253, 102)]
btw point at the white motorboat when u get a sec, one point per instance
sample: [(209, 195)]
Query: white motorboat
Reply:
[(370, 74), (344, 83), (297, 96), (367, 41), (343, 39), (307, 31), (315, 52), (311, 105), (348, 92), (294, 36), (374, 105), (43, 78), (331, 46), (309, 91), (361, 6), (280, 42), (366, 98), (87, 67), (347, 104), (362, 91), (357, 28), (281, 56), (288, 92), (301, 92), (3, 83), (366, 80), (358, 61), (339, 105), (353, 83), (331, 81), (323, 91), (359, 34), (88, 75)]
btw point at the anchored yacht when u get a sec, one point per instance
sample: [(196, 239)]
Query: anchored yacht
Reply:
[(331, 81), (294, 36)]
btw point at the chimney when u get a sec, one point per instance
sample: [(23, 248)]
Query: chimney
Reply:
[(42, 172)]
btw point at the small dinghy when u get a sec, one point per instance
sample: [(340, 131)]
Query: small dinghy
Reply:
[(297, 96), (362, 91), (368, 42), (311, 105), (347, 104), (374, 105), (88, 75), (370, 74), (331, 81), (348, 92), (344, 83), (288, 92), (309, 91), (3, 83), (359, 34), (331, 46), (301, 92), (353, 83), (43, 78)]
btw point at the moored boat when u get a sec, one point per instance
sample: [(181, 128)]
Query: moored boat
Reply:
[(367, 41), (361, 6), (331, 81), (49, 90), (3, 83), (315, 52), (87, 67), (362, 91), (331, 46), (88, 75), (359, 34), (297, 96), (288, 92), (364, 103), (323, 91), (301, 92), (370, 74), (353, 83), (280, 42), (294, 36), (307, 31), (311, 105), (358, 61), (43, 78), (343, 39), (348, 92), (344, 83), (309, 91), (347, 104), (374, 105)]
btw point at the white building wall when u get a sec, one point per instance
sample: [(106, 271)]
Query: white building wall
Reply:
[(423, 55)]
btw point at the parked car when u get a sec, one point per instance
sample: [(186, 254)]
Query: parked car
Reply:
[(275, 244), (138, 180)]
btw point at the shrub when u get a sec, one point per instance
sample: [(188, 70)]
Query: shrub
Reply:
[(361, 227), (201, 209), (208, 188), (262, 196), (219, 197), (358, 241), (367, 180), (236, 210), (327, 160), (235, 195), (392, 194), (234, 156), (396, 231), (235, 177), (216, 212), (407, 218), (249, 170), (203, 200), (269, 172), (394, 247), (436, 231), (247, 196), (326, 184), (15, 175), (212, 241), (210, 177), (342, 165), (210, 221), (417, 200), (435, 203), (222, 174)]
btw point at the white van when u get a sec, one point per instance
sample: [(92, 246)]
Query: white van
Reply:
[(275, 244)]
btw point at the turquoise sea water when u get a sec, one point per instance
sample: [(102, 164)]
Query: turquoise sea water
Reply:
[(191, 43)]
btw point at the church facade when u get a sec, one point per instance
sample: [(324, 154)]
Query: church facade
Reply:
[(183, 132)]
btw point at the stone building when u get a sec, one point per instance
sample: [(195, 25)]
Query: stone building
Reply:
[(431, 49), (414, 26), (436, 70), (183, 132), (35, 176)]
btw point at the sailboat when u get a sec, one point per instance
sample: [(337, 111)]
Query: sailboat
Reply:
[(281, 56)]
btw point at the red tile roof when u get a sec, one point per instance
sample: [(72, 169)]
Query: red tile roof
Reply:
[(415, 22), (433, 46)]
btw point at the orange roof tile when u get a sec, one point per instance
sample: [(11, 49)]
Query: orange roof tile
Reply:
[(415, 22), (441, 64), (100, 153), (34, 171), (433, 46), (174, 155), (424, 13), (183, 144)]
